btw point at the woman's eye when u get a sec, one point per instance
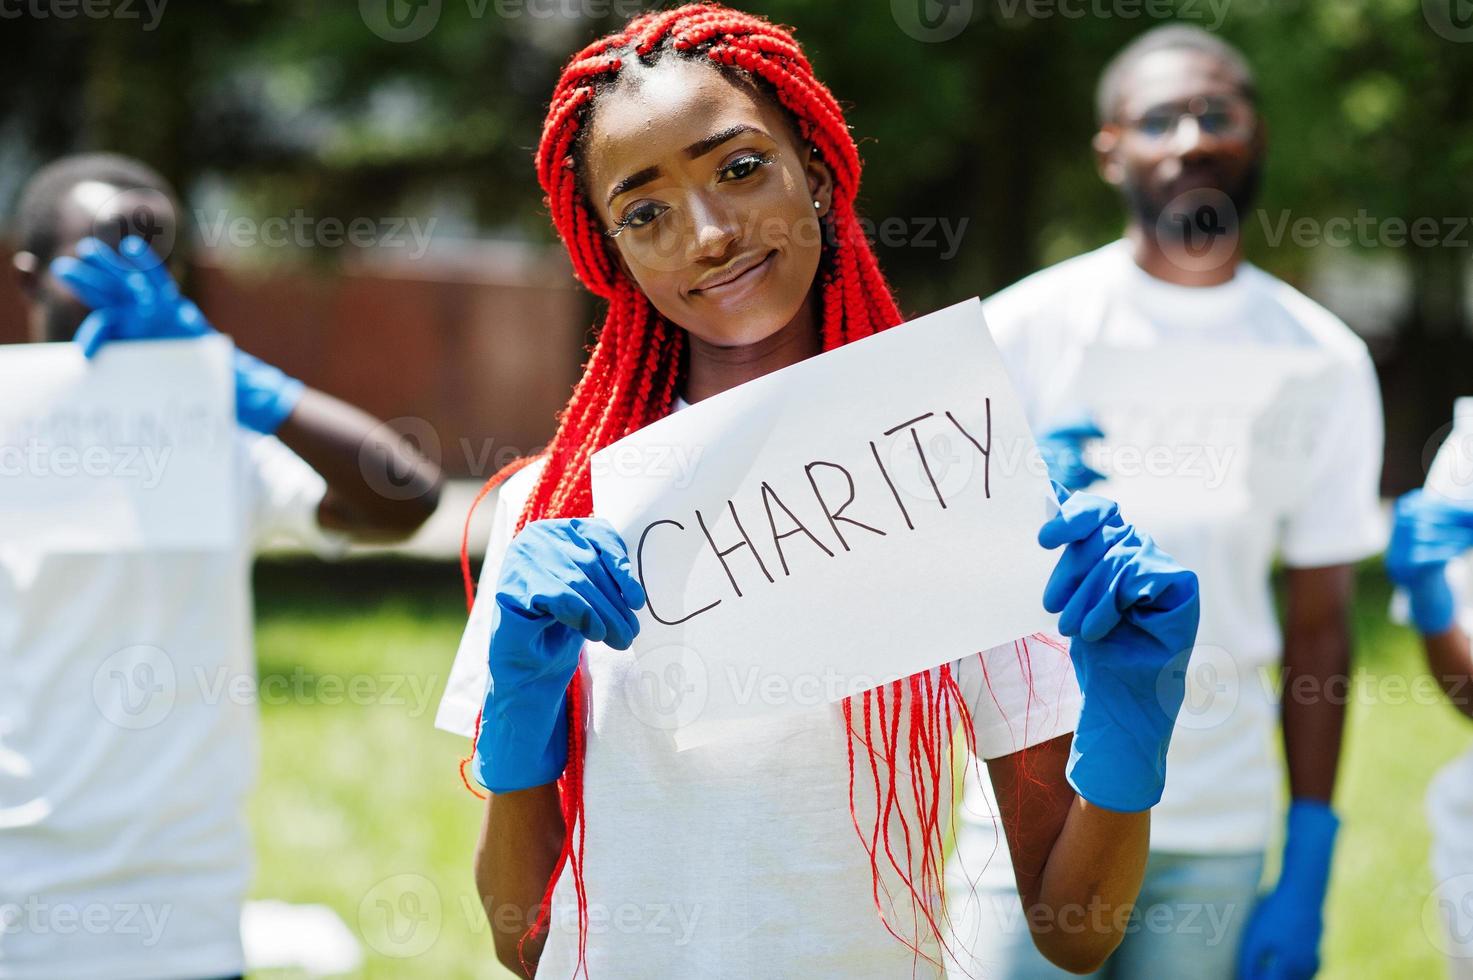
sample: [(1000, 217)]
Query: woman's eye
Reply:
[(641, 216), (746, 166)]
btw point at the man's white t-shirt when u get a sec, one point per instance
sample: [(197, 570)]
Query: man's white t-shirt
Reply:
[(1223, 774), (128, 743), (739, 858)]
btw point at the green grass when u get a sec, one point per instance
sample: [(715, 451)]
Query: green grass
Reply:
[(359, 805)]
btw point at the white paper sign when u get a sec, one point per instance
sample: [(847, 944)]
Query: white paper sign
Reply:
[(1195, 431), (855, 518), (132, 450)]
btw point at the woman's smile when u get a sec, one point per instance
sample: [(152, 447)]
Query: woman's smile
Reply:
[(739, 280)]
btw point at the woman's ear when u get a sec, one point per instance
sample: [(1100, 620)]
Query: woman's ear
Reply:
[(820, 181)]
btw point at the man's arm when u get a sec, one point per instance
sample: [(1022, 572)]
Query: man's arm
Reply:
[(378, 487), (521, 838), (1451, 662), (1079, 866), (1282, 937), (1316, 676)]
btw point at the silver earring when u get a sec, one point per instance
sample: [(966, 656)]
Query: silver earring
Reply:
[(816, 205)]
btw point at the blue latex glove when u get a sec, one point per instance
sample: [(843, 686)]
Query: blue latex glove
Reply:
[(133, 297), (1131, 613), (1428, 531), (1062, 447), (1282, 941), (562, 582)]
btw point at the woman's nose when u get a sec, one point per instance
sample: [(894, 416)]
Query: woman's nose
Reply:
[(713, 229)]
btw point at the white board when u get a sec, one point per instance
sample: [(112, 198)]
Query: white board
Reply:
[(129, 451), (924, 423)]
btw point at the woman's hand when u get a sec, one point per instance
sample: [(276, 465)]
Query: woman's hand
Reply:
[(562, 582), (1131, 613)]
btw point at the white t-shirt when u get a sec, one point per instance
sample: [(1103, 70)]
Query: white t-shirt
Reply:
[(128, 743), (1223, 774), (739, 858), (1450, 794)]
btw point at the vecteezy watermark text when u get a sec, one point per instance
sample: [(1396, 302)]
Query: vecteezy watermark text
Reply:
[(35, 458), (303, 230), (36, 917), (148, 11), (1366, 230)]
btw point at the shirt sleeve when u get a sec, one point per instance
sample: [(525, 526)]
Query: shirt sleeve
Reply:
[(1020, 694), (465, 689), (1339, 519), (285, 495)]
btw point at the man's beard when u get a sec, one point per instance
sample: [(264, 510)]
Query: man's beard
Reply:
[(1147, 207)]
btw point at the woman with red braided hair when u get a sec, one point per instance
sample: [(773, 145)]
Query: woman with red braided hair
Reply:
[(703, 181)]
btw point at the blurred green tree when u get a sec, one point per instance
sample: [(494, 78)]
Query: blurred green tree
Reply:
[(983, 132)]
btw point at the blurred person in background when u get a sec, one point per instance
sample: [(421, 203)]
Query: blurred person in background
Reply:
[(1179, 129), (124, 848), (1432, 531)]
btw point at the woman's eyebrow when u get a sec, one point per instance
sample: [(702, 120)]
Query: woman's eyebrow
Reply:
[(699, 148), (703, 146), (634, 180)]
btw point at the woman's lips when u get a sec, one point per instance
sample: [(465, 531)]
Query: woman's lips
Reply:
[(740, 285)]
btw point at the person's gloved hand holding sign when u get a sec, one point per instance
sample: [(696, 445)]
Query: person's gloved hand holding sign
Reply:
[(133, 297), (1131, 614), (1130, 608), (563, 581)]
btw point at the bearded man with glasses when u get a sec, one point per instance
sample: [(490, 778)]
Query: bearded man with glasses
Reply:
[(1181, 137)]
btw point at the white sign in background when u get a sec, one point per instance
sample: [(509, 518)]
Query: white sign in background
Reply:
[(1193, 431), (131, 450), (843, 522)]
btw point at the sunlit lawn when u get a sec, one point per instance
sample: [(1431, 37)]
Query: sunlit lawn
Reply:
[(360, 806)]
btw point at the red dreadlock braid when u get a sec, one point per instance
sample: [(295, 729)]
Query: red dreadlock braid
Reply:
[(630, 379)]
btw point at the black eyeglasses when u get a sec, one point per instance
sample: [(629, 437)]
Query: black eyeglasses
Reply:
[(1219, 116)]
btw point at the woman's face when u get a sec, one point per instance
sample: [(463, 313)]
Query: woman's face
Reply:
[(710, 197)]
